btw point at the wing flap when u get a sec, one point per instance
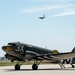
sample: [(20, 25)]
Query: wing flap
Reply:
[(59, 56)]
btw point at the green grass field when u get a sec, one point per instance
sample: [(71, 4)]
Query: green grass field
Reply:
[(11, 64), (25, 63)]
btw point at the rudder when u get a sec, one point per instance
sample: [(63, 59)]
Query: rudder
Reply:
[(73, 49)]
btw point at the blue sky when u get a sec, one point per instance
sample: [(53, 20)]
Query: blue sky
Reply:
[(19, 22)]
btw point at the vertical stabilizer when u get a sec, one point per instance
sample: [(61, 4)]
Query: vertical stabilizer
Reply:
[(73, 49)]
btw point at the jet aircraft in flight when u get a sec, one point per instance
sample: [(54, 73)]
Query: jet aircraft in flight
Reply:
[(42, 17), (16, 51)]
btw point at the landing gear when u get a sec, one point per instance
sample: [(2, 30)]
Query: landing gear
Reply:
[(17, 67), (34, 66), (72, 66), (61, 64)]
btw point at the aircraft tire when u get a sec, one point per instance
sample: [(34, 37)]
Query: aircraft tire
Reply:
[(73, 66), (34, 67), (17, 67)]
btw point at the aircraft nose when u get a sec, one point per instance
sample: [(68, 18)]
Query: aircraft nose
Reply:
[(7, 48), (3, 47)]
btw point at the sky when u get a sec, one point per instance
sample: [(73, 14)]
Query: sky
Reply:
[(19, 22)]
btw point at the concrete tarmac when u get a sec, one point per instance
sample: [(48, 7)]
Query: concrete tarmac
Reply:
[(45, 69)]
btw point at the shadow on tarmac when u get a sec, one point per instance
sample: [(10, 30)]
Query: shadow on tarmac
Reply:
[(50, 69)]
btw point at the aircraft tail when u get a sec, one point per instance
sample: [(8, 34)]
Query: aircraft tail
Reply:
[(73, 49), (44, 16)]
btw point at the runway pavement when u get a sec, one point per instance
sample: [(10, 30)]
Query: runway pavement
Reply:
[(48, 69)]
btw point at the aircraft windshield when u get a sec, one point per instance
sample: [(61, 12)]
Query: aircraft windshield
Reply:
[(11, 44)]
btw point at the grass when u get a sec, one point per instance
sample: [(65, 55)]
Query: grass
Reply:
[(8, 63), (11, 64)]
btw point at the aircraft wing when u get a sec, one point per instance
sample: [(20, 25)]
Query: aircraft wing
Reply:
[(59, 56)]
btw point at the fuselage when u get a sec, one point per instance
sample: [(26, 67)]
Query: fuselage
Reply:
[(24, 51)]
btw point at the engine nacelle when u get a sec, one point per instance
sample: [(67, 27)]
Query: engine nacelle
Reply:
[(12, 58)]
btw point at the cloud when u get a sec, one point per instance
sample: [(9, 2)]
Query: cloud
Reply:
[(55, 10), (40, 9), (52, 0), (69, 10), (64, 14)]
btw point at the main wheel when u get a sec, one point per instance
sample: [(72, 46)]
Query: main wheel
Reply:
[(34, 67), (17, 67)]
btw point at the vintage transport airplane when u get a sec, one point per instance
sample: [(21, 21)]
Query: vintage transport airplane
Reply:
[(16, 51)]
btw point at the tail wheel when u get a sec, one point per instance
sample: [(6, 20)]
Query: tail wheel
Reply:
[(73, 66), (34, 67), (17, 67)]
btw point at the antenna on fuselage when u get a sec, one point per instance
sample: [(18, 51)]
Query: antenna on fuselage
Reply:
[(46, 47)]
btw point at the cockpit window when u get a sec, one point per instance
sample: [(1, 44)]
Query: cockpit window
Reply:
[(11, 44)]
